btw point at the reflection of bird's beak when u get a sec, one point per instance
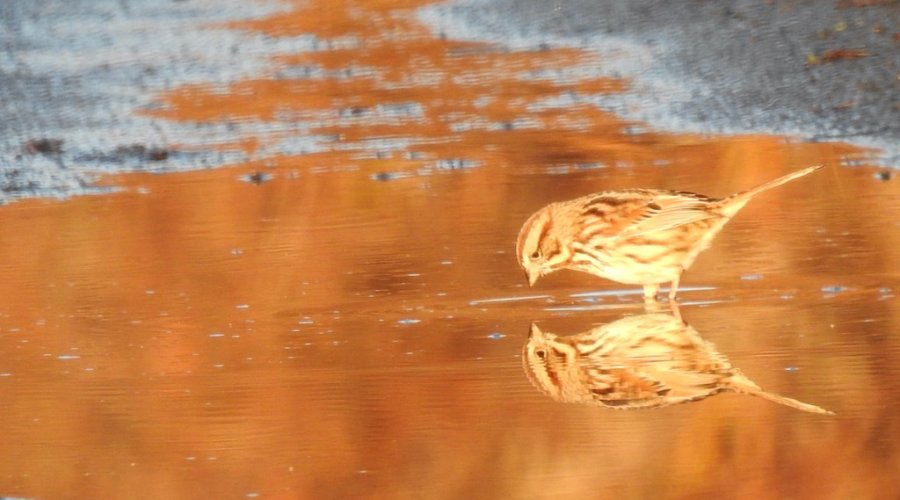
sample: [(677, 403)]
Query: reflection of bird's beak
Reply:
[(534, 331)]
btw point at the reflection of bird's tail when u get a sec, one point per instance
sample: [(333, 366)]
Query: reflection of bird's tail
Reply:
[(742, 384), (737, 201)]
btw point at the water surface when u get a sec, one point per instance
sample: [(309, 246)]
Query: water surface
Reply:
[(347, 320)]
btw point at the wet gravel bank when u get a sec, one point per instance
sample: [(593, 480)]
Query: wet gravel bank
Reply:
[(819, 70), (74, 75)]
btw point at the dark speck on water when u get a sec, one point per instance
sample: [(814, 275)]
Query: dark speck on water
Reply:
[(127, 153), (387, 176), (43, 146), (256, 177)]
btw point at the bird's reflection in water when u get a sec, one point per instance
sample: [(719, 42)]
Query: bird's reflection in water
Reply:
[(645, 361)]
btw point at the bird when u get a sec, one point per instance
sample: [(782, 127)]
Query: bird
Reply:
[(634, 236), (649, 360)]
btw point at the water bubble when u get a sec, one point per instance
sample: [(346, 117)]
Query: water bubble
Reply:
[(833, 289), (456, 164), (496, 336)]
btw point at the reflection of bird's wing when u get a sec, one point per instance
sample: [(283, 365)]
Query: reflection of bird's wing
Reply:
[(687, 385), (638, 212), (653, 360), (622, 387)]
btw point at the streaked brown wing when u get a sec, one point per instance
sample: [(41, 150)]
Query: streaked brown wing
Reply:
[(639, 212), (667, 211)]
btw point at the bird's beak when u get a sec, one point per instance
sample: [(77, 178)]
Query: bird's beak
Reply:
[(532, 277), (534, 332)]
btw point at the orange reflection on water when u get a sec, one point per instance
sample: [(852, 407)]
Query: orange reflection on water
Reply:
[(394, 81), (316, 336)]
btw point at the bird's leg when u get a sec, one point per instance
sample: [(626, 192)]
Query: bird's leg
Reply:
[(653, 306), (673, 307), (673, 289), (650, 292)]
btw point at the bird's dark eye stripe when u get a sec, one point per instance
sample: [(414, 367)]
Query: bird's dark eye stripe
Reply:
[(610, 201), (596, 212)]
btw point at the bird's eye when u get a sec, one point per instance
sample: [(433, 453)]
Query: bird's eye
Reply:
[(541, 353), (536, 255)]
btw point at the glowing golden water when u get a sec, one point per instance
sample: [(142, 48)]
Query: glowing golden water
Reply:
[(350, 328)]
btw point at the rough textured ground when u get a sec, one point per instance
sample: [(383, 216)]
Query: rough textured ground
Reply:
[(819, 70), (74, 75)]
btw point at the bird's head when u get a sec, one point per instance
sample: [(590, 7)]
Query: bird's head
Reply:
[(538, 247)]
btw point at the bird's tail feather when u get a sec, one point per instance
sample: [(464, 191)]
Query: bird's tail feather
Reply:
[(737, 201)]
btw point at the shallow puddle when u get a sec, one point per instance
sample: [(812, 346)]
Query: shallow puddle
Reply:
[(346, 318)]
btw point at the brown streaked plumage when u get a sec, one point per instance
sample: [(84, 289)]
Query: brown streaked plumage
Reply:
[(643, 361), (636, 236)]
